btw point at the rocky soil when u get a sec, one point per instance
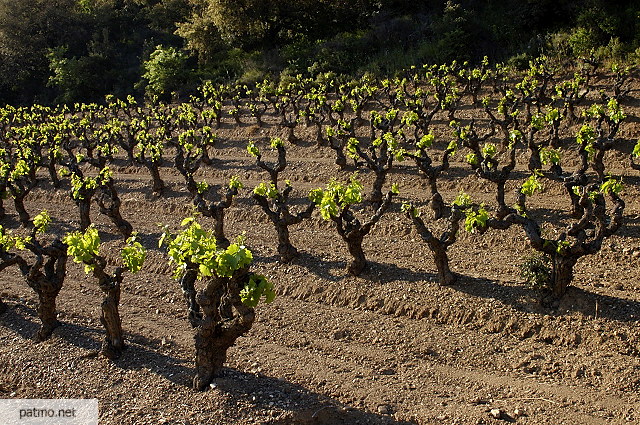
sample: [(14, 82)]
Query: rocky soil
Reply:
[(389, 346)]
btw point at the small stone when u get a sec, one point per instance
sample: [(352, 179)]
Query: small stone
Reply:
[(495, 413), (519, 412), (384, 409), (339, 334)]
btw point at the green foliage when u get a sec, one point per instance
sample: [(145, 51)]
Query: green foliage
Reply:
[(489, 150), (225, 263), (586, 136), (42, 221), (266, 190), (202, 187), (532, 185), (476, 220), (611, 185), (196, 246), (256, 288), (614, 111), (408, 118), (453, 147), (552, 115), (462, 200), (21, 169), (276, 142), (336, 197), (8, 241), (253, 149), (409, 208), (351, 148), (472, 158), (425, 141), (235, 183), (84, 247), (537, 121), (636, 149), (550, 156), (98, 47), (166, 71), (536, 271), (81, 184), (515, 136), (133, 254)]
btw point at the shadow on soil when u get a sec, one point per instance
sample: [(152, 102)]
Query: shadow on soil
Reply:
[(526, 299), (375, 272), (300, 405), (329, 270), (139, 353)]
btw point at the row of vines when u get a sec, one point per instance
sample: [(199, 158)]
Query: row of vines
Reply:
[(552, 126)]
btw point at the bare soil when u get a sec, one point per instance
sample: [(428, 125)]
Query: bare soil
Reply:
[(390, 346)]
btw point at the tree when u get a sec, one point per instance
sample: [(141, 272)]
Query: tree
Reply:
[(45, 275), (84, 247), (227, 300), (27, 30), (166, 71), (335, 203)]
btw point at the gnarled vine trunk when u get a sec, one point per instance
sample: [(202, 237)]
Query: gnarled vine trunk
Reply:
[(279, 214), (218, 225), (47, 311), (84, 208), (157, 185), (48, 284), (562, 274), (286, 250), (224, 319), (353, 233), (445, 275), (110, 318), (358, 261), (439, 246), (23, 215), (376, 197), (187, 283), (109, 203)]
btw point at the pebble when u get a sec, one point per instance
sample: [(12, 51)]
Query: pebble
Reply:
[(339, 334), (496, 413), (384, 409)]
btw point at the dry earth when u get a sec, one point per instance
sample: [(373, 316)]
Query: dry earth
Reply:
[(390, 346)]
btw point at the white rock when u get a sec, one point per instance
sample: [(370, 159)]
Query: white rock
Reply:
[(496, 413)]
